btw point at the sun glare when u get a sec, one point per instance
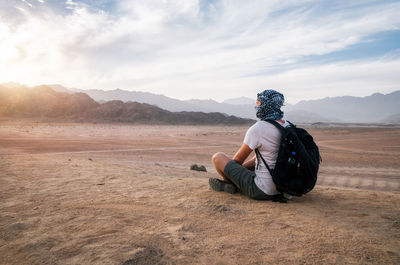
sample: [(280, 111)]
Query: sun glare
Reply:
[(8, 51)]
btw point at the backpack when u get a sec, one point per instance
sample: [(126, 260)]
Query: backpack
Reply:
[(297, 164)]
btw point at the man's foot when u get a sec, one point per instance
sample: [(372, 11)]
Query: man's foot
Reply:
[(219, 185)]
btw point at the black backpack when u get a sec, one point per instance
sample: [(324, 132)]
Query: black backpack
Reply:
[(298, 161)]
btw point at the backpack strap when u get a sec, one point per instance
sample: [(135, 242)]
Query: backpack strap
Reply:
[(278, 125), (281, 129), (262, 158), (275, 198)]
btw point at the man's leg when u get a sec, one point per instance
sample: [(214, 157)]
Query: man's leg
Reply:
[(220, 160)]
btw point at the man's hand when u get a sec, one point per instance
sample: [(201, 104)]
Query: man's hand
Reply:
[(250, 164)]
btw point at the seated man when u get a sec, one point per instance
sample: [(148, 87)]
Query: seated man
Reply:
[(252, 178)]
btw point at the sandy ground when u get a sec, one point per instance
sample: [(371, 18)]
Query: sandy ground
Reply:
[(124, 194)]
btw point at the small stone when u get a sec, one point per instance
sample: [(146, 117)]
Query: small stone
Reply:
[(36, 208), (202, 168), (198, 168), (90, 159)]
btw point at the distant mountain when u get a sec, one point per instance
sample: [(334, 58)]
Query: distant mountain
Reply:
[(60, 88), (244, 111), (376, 108), (240, 101), (161, 101), (301, 116), (135, 112), (164, 102), (395, 118), (44, 103)]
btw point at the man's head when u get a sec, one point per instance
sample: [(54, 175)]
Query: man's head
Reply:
[(269, 103)]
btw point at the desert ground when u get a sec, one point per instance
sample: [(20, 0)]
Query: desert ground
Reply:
[(75, 193)]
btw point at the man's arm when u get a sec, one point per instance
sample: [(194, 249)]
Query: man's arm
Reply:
[(243, 152)]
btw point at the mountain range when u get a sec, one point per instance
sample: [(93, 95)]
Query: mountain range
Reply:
[(44, 103), (245, 110), (376, 108)]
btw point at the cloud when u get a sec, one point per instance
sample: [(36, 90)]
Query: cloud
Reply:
[(191, 48)]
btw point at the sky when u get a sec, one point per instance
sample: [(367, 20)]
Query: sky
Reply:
[(204, 49)]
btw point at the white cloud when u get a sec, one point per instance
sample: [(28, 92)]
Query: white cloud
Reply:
[(27, 3), (197, 49)]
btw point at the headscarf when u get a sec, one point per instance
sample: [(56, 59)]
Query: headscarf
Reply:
[(271, 103)]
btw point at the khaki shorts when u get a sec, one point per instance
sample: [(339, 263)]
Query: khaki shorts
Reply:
[(244, 180)]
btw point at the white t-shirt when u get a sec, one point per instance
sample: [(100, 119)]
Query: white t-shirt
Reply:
[(266, 137)]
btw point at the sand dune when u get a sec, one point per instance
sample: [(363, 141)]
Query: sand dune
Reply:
[(124, 194)]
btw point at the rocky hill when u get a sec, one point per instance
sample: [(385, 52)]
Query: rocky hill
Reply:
[(44, 103)]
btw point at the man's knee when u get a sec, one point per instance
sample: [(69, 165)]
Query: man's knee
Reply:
[(220, 160), (217, 156)]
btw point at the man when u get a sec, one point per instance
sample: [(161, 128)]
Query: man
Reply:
[(252, 178)]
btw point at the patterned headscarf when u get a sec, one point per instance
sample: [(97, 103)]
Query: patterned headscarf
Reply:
[(270, 107)]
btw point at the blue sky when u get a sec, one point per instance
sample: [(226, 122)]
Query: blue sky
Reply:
[(204, 49)]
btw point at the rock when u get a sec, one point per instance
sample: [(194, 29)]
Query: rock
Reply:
[(198, 168)]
